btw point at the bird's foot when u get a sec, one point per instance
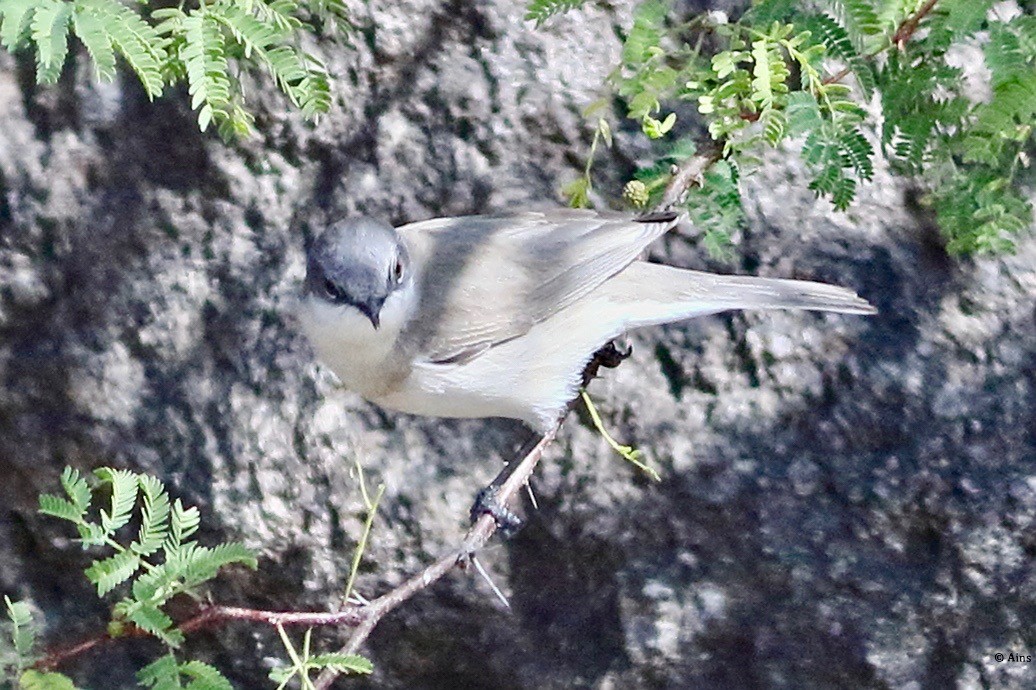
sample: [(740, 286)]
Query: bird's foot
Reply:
[(610, 356), (487, 502), (615, 352)]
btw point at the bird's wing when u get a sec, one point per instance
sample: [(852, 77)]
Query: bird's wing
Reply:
[(484, 280)]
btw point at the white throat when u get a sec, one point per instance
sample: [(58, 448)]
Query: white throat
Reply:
[(364, 358)]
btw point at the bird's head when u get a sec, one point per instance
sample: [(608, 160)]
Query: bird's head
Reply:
[(357, 262)]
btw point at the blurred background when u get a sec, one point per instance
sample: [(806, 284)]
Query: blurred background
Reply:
[(845, 501)]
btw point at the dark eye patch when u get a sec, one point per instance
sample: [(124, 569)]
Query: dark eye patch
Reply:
[(333, 290)]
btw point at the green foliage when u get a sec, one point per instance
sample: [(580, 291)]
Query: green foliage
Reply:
[(169, 673), (22, 635), (164, 529), (38, 680), (860, 21), (303, 663), (776, 75), (540, 11), (152, 559), (644, 77), (198, 46), (17, 653)]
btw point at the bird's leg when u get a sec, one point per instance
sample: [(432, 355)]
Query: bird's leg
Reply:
[(488, 503)]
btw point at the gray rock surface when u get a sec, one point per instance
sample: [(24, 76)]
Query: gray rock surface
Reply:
[(846, 502)]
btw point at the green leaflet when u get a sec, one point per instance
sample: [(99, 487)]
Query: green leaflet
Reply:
[(16, 16), (540, 11), (91, 30), (50, 23), (838, 44)]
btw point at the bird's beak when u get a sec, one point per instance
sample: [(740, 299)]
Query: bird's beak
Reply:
[(372, 310)]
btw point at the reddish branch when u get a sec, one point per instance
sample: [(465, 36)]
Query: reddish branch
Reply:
[(906, 30), (210, 617)]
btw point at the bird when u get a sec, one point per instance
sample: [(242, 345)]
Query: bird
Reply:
[(499, 315)]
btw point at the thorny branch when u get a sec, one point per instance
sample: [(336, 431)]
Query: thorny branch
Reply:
[(689, 173), (475, 539), (906, 30), (365, 617)]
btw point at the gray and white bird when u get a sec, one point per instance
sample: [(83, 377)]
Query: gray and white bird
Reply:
[(497, 316)]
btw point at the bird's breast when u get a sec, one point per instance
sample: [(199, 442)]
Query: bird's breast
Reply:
[(362, 357)]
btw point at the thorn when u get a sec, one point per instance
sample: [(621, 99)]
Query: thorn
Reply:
[(489, 581), (358, 598), (532, 496)]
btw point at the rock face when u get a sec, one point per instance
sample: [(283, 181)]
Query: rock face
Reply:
[(846, 501)]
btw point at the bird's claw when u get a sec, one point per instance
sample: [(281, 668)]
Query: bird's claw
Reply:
[(487, 502)]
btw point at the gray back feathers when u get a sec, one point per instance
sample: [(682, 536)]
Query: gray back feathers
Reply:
[(486, 279)]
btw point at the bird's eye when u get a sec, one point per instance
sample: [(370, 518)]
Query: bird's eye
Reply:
[(398, 271), (332, 290)]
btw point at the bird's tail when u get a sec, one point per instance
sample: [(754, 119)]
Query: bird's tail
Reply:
[(652, 293)]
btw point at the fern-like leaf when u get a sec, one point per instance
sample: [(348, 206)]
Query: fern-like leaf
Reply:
[(17, 19), (154, 526), (202, 563), (111, 572), (74, 508), (50, 24), (155, 621), (279, 12), (774, 123), (137, 41), (124, 497), (204, 677), (156, 585), (161, 674), (306, 86), (58, 507), (313, 93), (183, 524), (540, 11), (23, 636), (38, 680), (843, 193), (803, 113), (857, 152), (859, 18), (205, 58), (91, 30), (839, 45), (342, 663)]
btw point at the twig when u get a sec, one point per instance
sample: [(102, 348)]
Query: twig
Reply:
[(908, 27), (474, 540), (839, 75), (689, 173), (904, 32), (208, 617)]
